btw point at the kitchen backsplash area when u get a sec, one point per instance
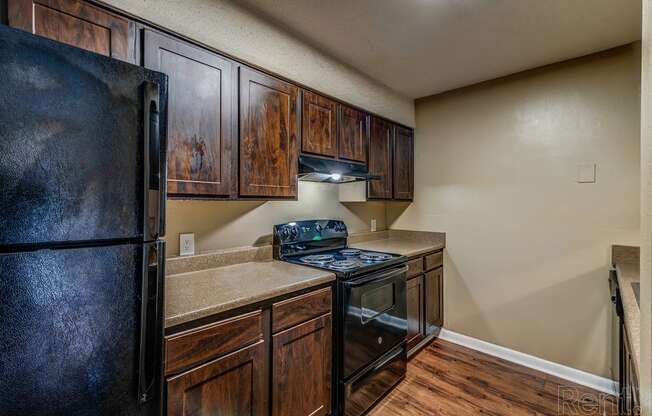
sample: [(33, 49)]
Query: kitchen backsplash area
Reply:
[(224, 224)]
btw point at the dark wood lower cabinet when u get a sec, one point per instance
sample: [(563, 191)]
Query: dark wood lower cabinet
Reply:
[(415, 294), (628, 400), (230, 367), (301, 379), (231, 385), (433, 297), (425, 300)]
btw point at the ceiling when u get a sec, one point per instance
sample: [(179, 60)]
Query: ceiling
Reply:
[(423, 47)]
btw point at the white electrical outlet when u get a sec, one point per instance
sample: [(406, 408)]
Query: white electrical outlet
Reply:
[(373, 225), (186, 244)]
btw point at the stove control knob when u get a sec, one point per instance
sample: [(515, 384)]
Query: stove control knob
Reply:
[(285, 233)]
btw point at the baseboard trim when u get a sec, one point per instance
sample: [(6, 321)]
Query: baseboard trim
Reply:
[(567, 373)]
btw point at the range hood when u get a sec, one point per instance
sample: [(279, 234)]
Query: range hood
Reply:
[(319, 169)]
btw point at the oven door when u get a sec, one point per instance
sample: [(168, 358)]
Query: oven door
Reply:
[(375, 317)]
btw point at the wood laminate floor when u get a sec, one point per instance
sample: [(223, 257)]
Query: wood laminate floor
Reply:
[(447, 379)]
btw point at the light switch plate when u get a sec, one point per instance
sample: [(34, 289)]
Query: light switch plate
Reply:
[(586, 173), (373, 225), (187, 244)]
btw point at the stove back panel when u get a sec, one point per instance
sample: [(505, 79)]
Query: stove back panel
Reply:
[(307, 237)]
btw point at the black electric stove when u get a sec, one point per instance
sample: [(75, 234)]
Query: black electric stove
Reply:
[(370, 325), (323, 244)]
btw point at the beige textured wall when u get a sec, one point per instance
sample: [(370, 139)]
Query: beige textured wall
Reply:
[(528, 248), (224, 224), (231, 29)]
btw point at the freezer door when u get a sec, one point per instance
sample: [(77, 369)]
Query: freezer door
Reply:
[(82, 145), (73, 324)]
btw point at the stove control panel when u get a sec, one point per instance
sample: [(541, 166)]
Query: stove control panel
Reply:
[(306, 231)]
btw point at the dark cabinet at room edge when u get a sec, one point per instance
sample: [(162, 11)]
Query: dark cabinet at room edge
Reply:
[(201, 116), (391, 157), (75, 23), (403, 163), (425, 300)]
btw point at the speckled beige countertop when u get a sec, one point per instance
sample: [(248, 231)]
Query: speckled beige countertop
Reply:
[(626, 262), (197, 294), (211, 283), (406, 243)]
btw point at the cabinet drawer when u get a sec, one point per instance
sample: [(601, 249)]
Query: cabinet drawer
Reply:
[(300, 309), (415, 267), (210, 341), (434, 260)]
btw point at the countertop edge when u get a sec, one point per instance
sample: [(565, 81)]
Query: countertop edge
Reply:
[(429, 247), (631, 312), (242, 302)]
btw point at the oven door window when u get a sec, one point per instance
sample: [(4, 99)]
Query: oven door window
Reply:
[(377, 301)]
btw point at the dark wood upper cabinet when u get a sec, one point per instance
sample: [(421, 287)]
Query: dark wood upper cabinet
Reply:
[(232, 131), (269, 136), (353, 134), (319, 125), (235, 384), (403, 163), (76, 23), (301, 378), (201, 116), (380, 159)]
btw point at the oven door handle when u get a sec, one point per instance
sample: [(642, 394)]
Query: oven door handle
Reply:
[(390, 274)]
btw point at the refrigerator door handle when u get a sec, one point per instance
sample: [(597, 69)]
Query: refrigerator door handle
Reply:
[(154, 221), (151, 322)]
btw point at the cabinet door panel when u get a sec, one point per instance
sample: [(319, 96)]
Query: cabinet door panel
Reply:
[(269, 147), (434, 297), (231, 385), (403, 163), (76, 23), (353, 134), (201, 137), (415, 316), (302, 369), (380, 159), (319, 125)]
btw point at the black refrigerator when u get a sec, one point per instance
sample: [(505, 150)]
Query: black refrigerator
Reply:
[(83, 175)]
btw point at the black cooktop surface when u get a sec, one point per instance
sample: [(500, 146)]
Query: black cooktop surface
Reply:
[(347, 262)]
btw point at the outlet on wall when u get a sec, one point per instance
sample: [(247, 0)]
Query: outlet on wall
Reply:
[(373, 225), (186, 244)]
